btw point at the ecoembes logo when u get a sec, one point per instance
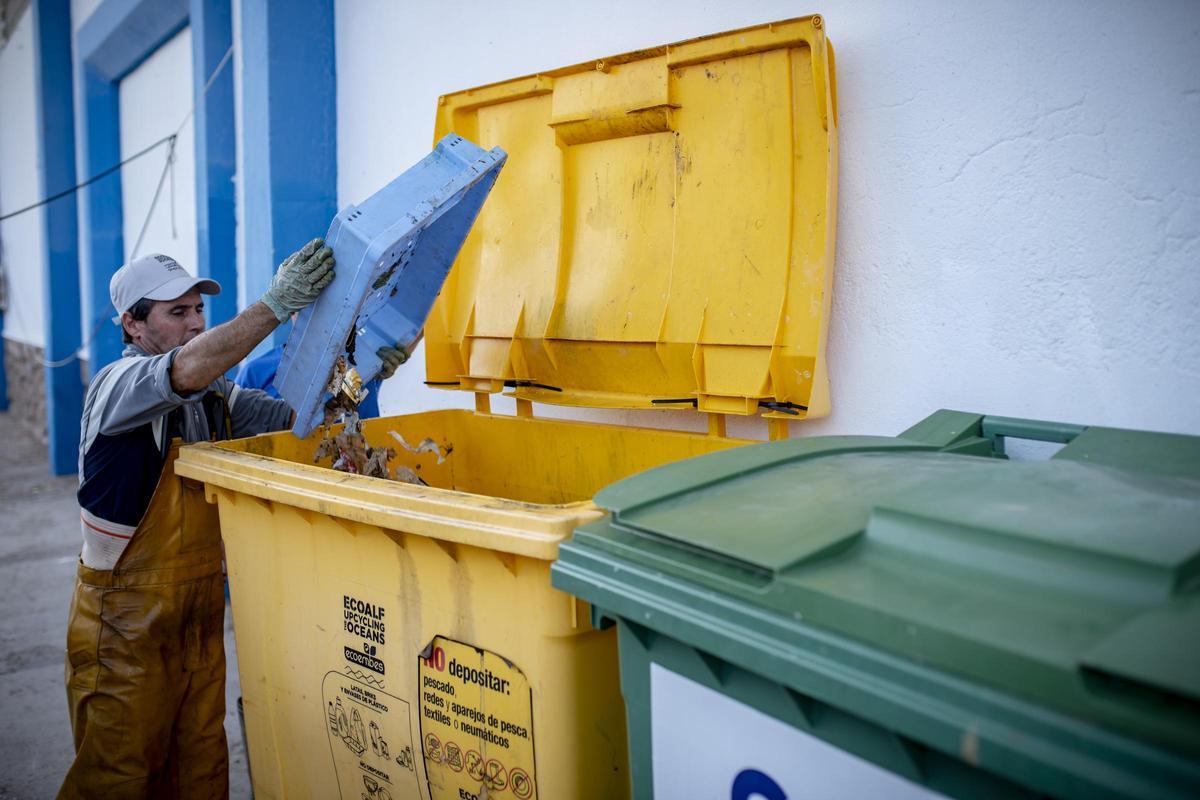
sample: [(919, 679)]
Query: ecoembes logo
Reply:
[(363, 660)]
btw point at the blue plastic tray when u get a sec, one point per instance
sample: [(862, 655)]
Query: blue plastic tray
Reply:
[(393, 253)]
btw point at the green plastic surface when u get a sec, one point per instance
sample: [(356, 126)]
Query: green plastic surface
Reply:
[(1054, 605)]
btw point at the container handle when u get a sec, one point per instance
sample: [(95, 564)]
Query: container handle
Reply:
[(997, 429)]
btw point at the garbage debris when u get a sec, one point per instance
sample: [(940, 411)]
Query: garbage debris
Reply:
[(351, 453), (345, 384), (427, 445), (406, 475)]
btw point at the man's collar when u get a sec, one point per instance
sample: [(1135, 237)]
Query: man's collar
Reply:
[(132, 349)]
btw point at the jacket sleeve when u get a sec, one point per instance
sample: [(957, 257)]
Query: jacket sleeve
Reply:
[(253, 411), (134, 391)]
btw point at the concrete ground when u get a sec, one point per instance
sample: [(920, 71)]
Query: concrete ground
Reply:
[(39, 545)]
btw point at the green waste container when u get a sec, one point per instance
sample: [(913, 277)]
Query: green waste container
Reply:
[(916, 616)]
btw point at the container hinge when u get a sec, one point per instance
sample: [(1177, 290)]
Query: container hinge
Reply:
[(533, 384), (691, 401), (786, 408)]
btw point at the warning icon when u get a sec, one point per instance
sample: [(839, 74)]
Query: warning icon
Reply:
[(453, 756), (475, 765), (433, 747), (522, 786), (495, 776)]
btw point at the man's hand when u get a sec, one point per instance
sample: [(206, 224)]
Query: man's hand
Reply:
[(392, 358), (299, 279)]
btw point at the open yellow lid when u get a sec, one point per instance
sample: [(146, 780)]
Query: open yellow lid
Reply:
[(662, 235)]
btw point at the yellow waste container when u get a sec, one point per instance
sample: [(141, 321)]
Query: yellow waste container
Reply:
[(661, 237)]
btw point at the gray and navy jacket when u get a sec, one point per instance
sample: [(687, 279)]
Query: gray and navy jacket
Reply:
[(130, 416)]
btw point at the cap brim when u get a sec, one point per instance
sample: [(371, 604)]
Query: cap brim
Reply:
[(178, 287)]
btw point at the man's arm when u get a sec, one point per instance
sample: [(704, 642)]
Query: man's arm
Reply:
[(296, 283), (131, 392), (211, 354)]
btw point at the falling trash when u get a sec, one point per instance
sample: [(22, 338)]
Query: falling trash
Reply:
[(427, 445), (351, 453)]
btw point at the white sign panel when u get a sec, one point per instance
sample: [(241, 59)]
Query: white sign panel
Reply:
[(707, 745)]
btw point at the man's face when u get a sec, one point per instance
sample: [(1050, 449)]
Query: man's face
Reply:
[(171, 323)]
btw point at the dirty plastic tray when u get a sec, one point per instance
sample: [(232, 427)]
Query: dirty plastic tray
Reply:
[(393, 253)]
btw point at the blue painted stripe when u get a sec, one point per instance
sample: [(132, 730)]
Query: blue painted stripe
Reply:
[(56, 172), (104, 243), (289, 146), (212, 33), (121, 34)]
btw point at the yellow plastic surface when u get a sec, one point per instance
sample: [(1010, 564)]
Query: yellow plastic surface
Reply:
[(663, 229), (466, 558)]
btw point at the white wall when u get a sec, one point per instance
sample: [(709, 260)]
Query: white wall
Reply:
[(1019, 212), (21, 237), (155, 99), (81, 10)]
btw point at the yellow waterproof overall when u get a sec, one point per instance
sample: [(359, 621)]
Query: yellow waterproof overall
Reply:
[(146, 658)]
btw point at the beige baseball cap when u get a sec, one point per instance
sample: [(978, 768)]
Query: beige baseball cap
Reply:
[(155, 277)]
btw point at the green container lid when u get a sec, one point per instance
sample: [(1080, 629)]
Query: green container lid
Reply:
[(1064, 592)]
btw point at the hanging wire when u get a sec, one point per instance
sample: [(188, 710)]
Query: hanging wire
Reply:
[(88, 182), (167, 167), (100, 322), (171, 168), (207, 85), (154, 200), (62, 362), (110, 170)]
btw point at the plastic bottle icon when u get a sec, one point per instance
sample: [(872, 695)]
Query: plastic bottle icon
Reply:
[(378, 743), (357, 740), (342, 724)]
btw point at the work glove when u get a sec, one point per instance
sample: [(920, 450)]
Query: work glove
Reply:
[(299, 279), (392, 358)]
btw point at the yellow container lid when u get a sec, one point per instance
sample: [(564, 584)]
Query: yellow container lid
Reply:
[(662, 236)]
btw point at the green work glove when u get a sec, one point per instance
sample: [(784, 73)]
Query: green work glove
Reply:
[(392, 358), (300, 279)]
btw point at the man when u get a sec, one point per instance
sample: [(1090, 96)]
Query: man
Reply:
[(145, 654)]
